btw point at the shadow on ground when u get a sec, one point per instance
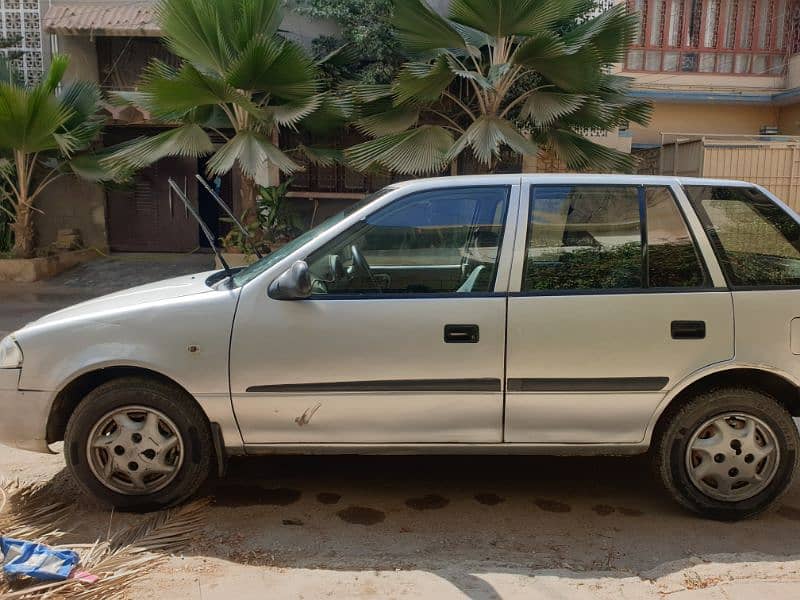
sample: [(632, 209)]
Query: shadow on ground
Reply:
[(457, 516)]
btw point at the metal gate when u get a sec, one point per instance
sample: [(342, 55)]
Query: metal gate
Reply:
[(770, 161)]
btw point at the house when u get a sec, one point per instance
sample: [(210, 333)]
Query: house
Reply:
[(722, 67)]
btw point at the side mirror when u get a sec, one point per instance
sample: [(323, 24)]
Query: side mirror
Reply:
[(292, 284)]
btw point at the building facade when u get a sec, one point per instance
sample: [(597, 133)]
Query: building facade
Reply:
[(710, 67)]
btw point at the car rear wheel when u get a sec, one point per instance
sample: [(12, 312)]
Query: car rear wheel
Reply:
[(728, 454), (138, 444)]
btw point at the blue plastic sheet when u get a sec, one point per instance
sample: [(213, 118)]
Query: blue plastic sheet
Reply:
[(36, 560)]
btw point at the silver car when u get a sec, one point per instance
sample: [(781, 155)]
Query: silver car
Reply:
[(536, 314)]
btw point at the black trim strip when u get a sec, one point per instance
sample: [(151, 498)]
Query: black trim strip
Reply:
[(395, 385), (413, 296), (598, 384), (618, 292)]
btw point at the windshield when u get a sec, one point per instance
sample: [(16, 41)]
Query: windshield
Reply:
[(251, 272)]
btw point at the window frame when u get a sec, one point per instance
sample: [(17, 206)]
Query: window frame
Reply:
[(507, 221), (716, 245), (641, 189)]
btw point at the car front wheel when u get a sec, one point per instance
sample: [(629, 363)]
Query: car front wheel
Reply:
[(138, 444), (728, 454)]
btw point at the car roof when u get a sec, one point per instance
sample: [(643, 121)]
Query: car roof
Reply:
[(566, 178)]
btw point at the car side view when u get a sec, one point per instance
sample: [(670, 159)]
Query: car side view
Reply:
[(536, 314)]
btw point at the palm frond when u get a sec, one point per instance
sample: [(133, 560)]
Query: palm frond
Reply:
[(253, 152), (422, 82), (543, 107), (609, 33), (580, 153), (186, 140), (295, 111), (414, 152), (421, 29), (325, 157), (394, 120), (487, 134), (168, 94)]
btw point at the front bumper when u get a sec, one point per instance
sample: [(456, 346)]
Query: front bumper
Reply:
[(23, 414)]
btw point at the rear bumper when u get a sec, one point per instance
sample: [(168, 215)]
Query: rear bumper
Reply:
[(23, 414)]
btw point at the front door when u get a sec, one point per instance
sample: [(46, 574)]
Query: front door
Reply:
[(148, 216), (402, 340), (615, 306)]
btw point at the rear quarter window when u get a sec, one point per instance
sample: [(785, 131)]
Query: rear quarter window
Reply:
[(756, 241)]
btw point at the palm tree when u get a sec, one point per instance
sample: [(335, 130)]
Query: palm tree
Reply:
[(238, 78), (516, 73), (41, 137)]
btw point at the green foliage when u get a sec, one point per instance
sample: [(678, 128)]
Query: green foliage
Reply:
[(506, 73), (43, 135), (237, 74), (274, 222), (366, 33)]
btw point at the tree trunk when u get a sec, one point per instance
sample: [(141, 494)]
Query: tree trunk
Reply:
[(24, 235), (247, 191)]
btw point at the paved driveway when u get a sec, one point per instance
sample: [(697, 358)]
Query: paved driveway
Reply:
[(439, 527)]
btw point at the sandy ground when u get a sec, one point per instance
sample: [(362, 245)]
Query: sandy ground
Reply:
[(453, 527), (435, 527)]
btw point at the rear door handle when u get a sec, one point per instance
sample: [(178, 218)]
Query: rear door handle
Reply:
[(461, 334), (688, 330)]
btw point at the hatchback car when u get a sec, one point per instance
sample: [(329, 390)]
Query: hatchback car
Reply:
[(537, 314)]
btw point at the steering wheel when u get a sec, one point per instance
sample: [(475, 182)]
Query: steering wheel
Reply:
[(362, 267)]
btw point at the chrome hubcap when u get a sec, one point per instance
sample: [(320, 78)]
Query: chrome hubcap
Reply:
[(135, 450), (732, 457)]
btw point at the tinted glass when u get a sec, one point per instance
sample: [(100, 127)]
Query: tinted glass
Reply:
[(757, 242), (438, 241), (672, 258), (584, 237)]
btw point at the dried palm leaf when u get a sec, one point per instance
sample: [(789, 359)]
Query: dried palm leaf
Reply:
[(119, 561)]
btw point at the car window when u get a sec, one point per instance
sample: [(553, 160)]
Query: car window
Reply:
[(590, 237), (672, 258), (756, 241), (254, 270), (443, 241), (583, 237)]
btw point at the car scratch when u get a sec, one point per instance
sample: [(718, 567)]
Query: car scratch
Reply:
[(305, 418)]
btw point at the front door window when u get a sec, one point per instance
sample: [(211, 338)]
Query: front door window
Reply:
[(442, 241)]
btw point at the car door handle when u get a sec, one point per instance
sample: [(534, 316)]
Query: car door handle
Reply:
[(461, 334), (688, 330)]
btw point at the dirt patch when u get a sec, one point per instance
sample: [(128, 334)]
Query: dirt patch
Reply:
[(428, 502), (328, 498), (253, 495), (629, 512), (552, 505), (296, 522), (603, 509), (789, 512), (361, 515), (489, 499)]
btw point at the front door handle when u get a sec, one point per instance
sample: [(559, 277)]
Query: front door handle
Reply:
[(688, 330), (461, 334)]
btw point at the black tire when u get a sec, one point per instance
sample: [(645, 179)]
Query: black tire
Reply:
[(174, 403), (671, 446)]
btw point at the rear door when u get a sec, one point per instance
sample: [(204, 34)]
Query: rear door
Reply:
[(612, 305)]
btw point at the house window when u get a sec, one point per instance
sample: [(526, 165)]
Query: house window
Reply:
[(740, 37)]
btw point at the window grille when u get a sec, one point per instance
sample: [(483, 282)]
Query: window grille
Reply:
[(20, 24), (733, 37)]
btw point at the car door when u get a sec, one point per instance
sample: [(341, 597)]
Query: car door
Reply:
[(612, 304), (403, 338)]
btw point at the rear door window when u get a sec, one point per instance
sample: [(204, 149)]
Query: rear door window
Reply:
[(608, 237), (756, 241)]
